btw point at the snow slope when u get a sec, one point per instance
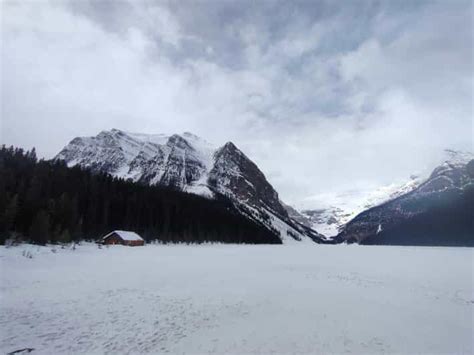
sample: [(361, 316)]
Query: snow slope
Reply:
[(301, 298), (328, 212)]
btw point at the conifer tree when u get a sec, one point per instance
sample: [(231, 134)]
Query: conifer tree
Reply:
[(39, 230), (64, 237), (10, 213)]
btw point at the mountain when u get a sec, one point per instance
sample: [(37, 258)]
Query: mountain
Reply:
[(440, 211), (175, 161), (328, 213), (188, 163), (48, 202)]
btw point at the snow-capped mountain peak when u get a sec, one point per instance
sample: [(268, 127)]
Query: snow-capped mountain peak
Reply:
[(329, 212), (457, 157), (437, 212), (188, 163)]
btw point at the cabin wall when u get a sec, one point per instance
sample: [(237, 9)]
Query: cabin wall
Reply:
[(113, 239), (134, 243)]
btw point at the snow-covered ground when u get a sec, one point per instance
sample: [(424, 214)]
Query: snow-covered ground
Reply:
[(237, 299)]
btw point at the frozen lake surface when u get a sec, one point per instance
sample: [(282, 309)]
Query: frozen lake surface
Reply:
[(237, 299)]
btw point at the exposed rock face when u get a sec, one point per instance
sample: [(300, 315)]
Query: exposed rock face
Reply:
[(297, 216), (174, 161), (236, 175), (188, 163), (183, 165), (438, 212)]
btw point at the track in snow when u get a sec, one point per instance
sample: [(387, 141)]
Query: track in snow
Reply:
[(237, 299)]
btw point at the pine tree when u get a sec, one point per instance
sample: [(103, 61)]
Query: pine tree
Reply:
[(78, 230), (39, 230), (64, 237), (56, 234), (10, 213), (31, 155)]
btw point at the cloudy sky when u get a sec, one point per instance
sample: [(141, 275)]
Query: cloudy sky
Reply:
[(325, 96)]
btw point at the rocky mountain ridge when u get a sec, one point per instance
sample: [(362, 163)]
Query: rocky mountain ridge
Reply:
[(332, 215), (187, 162), (329, 213), (440, 211)]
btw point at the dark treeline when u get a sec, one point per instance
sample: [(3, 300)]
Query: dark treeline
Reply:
[(45, 201), (448, 222)]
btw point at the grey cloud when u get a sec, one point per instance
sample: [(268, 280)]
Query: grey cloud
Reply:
[(112, 15), (321, 94)]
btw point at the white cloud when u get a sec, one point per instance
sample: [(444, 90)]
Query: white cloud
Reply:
[(360, 97)]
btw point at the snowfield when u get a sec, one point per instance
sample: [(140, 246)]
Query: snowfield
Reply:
[(237, 299)]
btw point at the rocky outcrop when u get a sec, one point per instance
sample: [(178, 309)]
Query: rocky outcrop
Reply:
[(236, 175)]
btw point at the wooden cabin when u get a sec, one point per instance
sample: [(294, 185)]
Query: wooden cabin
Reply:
[(119, 237)]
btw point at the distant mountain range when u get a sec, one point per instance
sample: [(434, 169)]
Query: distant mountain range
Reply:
[(404, 213), (438, 211), (334, 211), (328, 213), (188, 163)]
